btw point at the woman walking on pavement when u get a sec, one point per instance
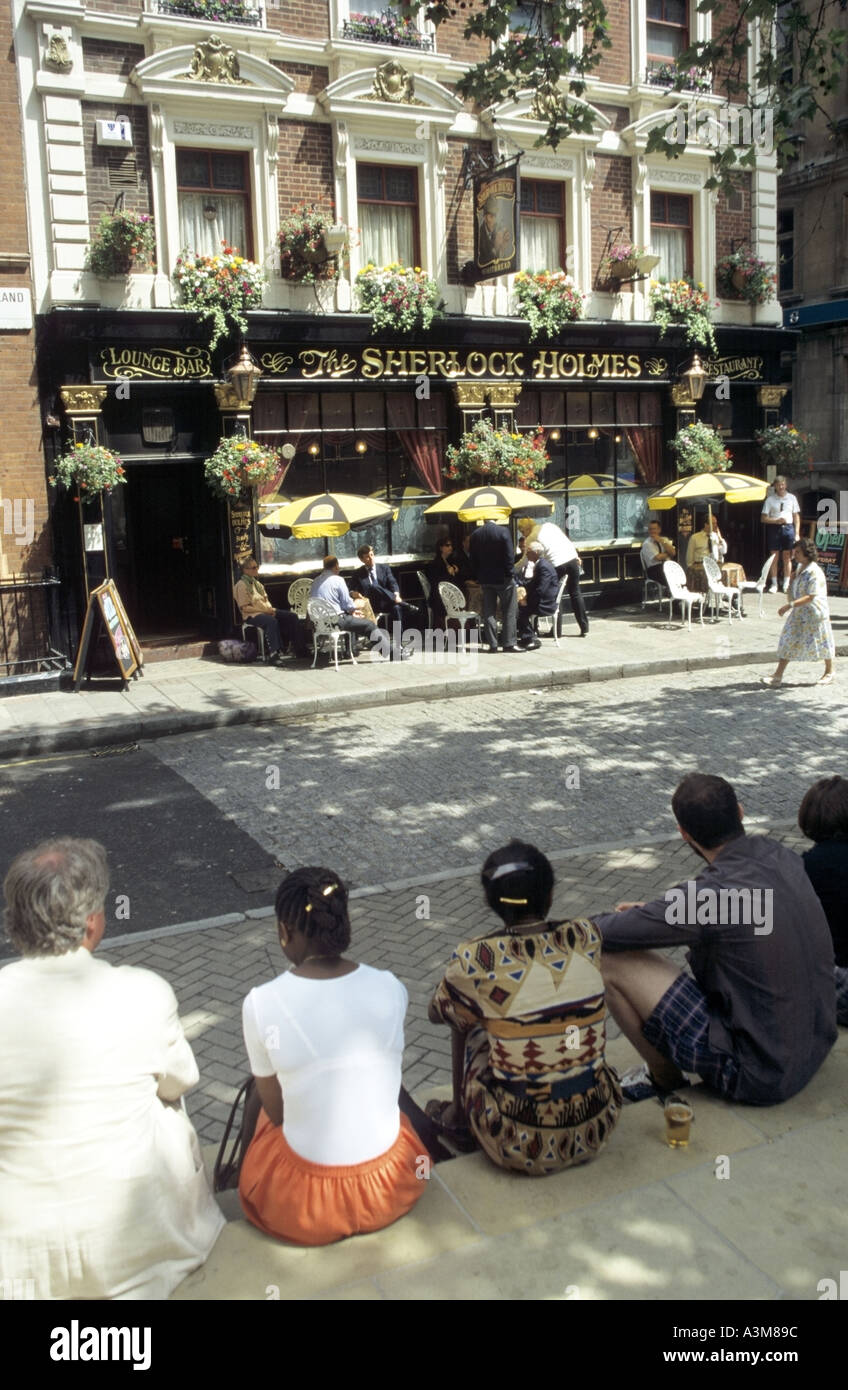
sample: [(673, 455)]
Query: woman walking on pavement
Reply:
[(807, 634)]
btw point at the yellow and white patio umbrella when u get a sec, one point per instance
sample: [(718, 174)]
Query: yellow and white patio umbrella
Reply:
[(328, 514), (596, 482), (401, 497), (489, 502), (721, 486)]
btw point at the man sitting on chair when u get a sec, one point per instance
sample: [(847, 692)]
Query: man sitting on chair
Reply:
[(330, 586), (541, 586), (278, 624), (377, 584), (655, 551)]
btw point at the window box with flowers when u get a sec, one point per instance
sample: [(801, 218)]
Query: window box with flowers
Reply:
[(123, 242), (215, 11), (487, 455), (699, 449), (742, 275), (684, 303), (88, 469), (311, 245), (239, 464), (548, 300), (386, 27), (401, 298), (661, 74), (786, 447), (220, 288)]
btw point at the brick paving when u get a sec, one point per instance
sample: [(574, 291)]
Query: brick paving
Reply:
[(212, 969)]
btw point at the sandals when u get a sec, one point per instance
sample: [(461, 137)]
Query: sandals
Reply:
[(770, 680), (826, 679), (458, 1135)]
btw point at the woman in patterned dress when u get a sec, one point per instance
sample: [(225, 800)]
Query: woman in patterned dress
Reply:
[(526, 1003), (807, 634)]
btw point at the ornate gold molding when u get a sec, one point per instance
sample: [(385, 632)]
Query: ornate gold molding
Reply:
[(470, 392), (228, 400), (214, 61), (503, 395), (680, 394), (394, 84), (83, 400), (771, 395)]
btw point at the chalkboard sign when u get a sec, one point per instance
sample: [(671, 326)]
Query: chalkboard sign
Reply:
[(105, 603), (831, 548)]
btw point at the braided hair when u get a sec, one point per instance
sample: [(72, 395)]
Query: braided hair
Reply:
[(518, 882), (313, 901)]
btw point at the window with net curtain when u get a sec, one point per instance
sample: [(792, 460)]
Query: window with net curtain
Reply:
[(542, 225), (212, 195), (667, 29), (387, 209), (671, 234)]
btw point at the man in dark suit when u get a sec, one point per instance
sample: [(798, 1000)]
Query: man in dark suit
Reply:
[(491, 553), (377, 584), (541, 588)]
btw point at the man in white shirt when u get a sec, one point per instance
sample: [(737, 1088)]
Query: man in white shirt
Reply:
[(782, 515), (654, 553), (561, 552)]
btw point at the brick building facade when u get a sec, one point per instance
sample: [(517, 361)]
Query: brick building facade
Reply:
[(308, 107)]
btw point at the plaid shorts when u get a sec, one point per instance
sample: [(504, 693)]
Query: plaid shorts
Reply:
[(679, 1028), (841, 972)]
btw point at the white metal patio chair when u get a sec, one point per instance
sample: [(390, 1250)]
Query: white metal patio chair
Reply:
[(251, 632), (675, 578), (298, 596), (647, 585), (454, 600), (758, 585), (555, 618), (427, 591), (721, 593), (325, 628)]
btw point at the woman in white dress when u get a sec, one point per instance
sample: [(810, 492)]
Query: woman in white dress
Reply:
[(807, 634), (102, 1187)]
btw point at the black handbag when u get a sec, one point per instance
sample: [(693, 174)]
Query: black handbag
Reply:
[(244, 1113)]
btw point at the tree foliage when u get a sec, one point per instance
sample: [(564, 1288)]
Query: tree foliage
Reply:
[(799, 53)]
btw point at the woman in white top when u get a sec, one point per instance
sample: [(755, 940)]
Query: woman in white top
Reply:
[(332, 1154), (102, 1187)]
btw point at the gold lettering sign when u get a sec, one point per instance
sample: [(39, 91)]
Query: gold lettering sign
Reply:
[(176, 364), (452, 364), (735, 368)]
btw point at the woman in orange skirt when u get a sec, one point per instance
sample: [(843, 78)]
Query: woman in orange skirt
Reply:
[(338, 1158)]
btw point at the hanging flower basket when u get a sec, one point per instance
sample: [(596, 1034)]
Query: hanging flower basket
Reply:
[(220, 288), (487, 455), (123, 242), (239, 464), (88, 469), (744, 276), (304, 254), (687, 304), (547, 300), (401, 298), (700, 450), (786, 447)]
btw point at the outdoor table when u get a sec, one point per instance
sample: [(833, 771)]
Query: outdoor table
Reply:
[(733, 574)]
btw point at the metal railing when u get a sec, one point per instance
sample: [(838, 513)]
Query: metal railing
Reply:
[(35, 629), (214, 11), (385, 28), (660, 74)]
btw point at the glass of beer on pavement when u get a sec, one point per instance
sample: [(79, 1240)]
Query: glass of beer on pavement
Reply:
[(678, 1118)]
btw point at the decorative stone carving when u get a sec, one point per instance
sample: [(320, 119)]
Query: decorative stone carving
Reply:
[(394, 84), (83, 400), (214, 61), (342, 147), (641, 175), (58, 57), (588, 174), (156, 132), (272, 138), (771, 395), (441, 156), (547, 105)]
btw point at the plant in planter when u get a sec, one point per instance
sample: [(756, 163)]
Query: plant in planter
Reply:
[(239, 464), (700, 450), (123, 240), (547, 299), (402, 298), (487, 455), (217, 11), (220, 288), (685, 303), (661, 74), (89, 469), (304, 255), (785, 446), (383, 28), (622, 260), (742, 275)]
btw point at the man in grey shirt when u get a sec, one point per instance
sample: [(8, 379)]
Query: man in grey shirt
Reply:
[(759, 1017)]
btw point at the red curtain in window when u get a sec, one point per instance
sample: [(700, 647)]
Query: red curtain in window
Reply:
[(646, 443), (425, 449)]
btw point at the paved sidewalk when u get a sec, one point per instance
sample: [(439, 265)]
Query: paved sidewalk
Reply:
[(192, 694), (409, 928)]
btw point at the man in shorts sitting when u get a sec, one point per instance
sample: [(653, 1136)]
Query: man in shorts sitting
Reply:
[(757, 1016)]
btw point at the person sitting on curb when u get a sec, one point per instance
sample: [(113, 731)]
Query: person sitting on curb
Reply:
[(757, 1016), (823, 818), (278, 624), (540, 590)]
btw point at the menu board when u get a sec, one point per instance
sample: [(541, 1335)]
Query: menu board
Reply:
[(105, 602), (832, 557)]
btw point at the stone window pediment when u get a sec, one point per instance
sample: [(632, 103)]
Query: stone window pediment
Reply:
[(211, 70), (390, 92)]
